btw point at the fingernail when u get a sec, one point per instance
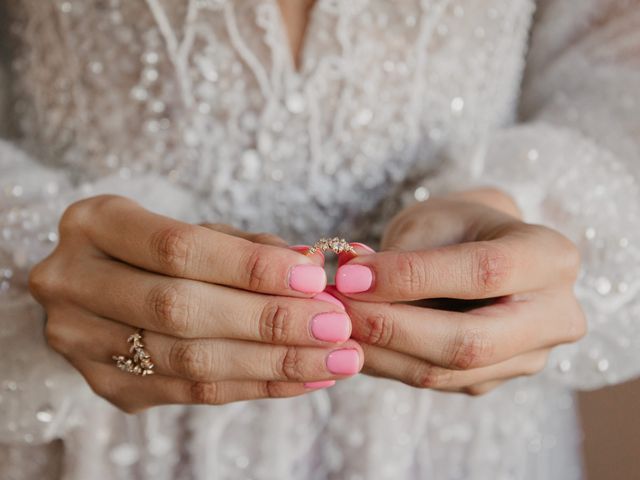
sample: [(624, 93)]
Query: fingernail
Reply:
[(353, 278), (331, 327), (305, 248), (344, 362), (308, 278), (362, 246), (327, 297), (320, 384)]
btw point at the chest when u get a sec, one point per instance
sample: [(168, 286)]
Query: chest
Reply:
[(209, 93)]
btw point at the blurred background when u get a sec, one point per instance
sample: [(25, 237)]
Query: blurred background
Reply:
[(611, 424)]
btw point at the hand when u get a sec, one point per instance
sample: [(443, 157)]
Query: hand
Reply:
[(224, 318), (510, 282)]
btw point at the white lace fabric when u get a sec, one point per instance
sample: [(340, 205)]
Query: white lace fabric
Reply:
[(195, 109)]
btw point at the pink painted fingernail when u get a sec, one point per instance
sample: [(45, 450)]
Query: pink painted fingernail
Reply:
[(344, 362), (320, 384), (353, 278), (362, 246), (308, 278), (327, 297), (331, 327)]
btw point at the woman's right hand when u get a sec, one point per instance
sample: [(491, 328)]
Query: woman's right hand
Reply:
[(224, 318)]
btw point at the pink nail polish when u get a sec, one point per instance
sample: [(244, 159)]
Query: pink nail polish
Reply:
[(331, 327), (344, 362), (300, 248), (353, 278), (308, 278), (320, 384), (327, 297)]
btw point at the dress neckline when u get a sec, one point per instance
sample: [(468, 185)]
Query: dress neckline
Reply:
[(296, 60)]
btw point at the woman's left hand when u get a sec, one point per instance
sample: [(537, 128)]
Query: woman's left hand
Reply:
[(507, 289)]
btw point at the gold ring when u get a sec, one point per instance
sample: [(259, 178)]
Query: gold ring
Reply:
[(140, 363), (335, 244)]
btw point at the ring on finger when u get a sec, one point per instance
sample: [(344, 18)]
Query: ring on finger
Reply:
[(140, 362), (336, 245)]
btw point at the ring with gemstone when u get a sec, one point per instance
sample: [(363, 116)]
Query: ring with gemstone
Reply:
[(336, 245), (140, 363)]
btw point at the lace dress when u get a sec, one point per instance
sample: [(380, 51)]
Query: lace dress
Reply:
[(195, 108)]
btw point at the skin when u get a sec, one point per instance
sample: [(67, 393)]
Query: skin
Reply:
[(514, 282), (220, 320), (295, 15), (507, 288), (222, 325)]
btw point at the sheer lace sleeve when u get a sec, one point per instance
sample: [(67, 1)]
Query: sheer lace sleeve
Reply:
[(573, 163), (38, 389)]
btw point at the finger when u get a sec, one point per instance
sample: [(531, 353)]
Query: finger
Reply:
[(359, 248), (262, 237), (214, 360), (525, 258), (418, 373), (134, 394), (466, 340), (483, 388), (266, 239), (138, 237), (192, 309)]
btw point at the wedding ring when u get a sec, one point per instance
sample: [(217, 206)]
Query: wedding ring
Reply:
[(336, 245), (138, 364)]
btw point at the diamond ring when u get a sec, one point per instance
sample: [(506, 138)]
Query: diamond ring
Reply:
[(140, 363), (335, 244)]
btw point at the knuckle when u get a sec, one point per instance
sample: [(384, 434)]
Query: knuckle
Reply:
[(54, 336), (272, 390), (379, 330), (84, 211), (76, 215), (257, 269), (578, 325), (43, 280), (491, 267), (100, 203), (289, 365), (204, 393), (172, 247), (274, 325), (411, 274), (101, 387), (569, 254), (537, 364), (469, 348), (170, 306), (191, 359), (431, 376)]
